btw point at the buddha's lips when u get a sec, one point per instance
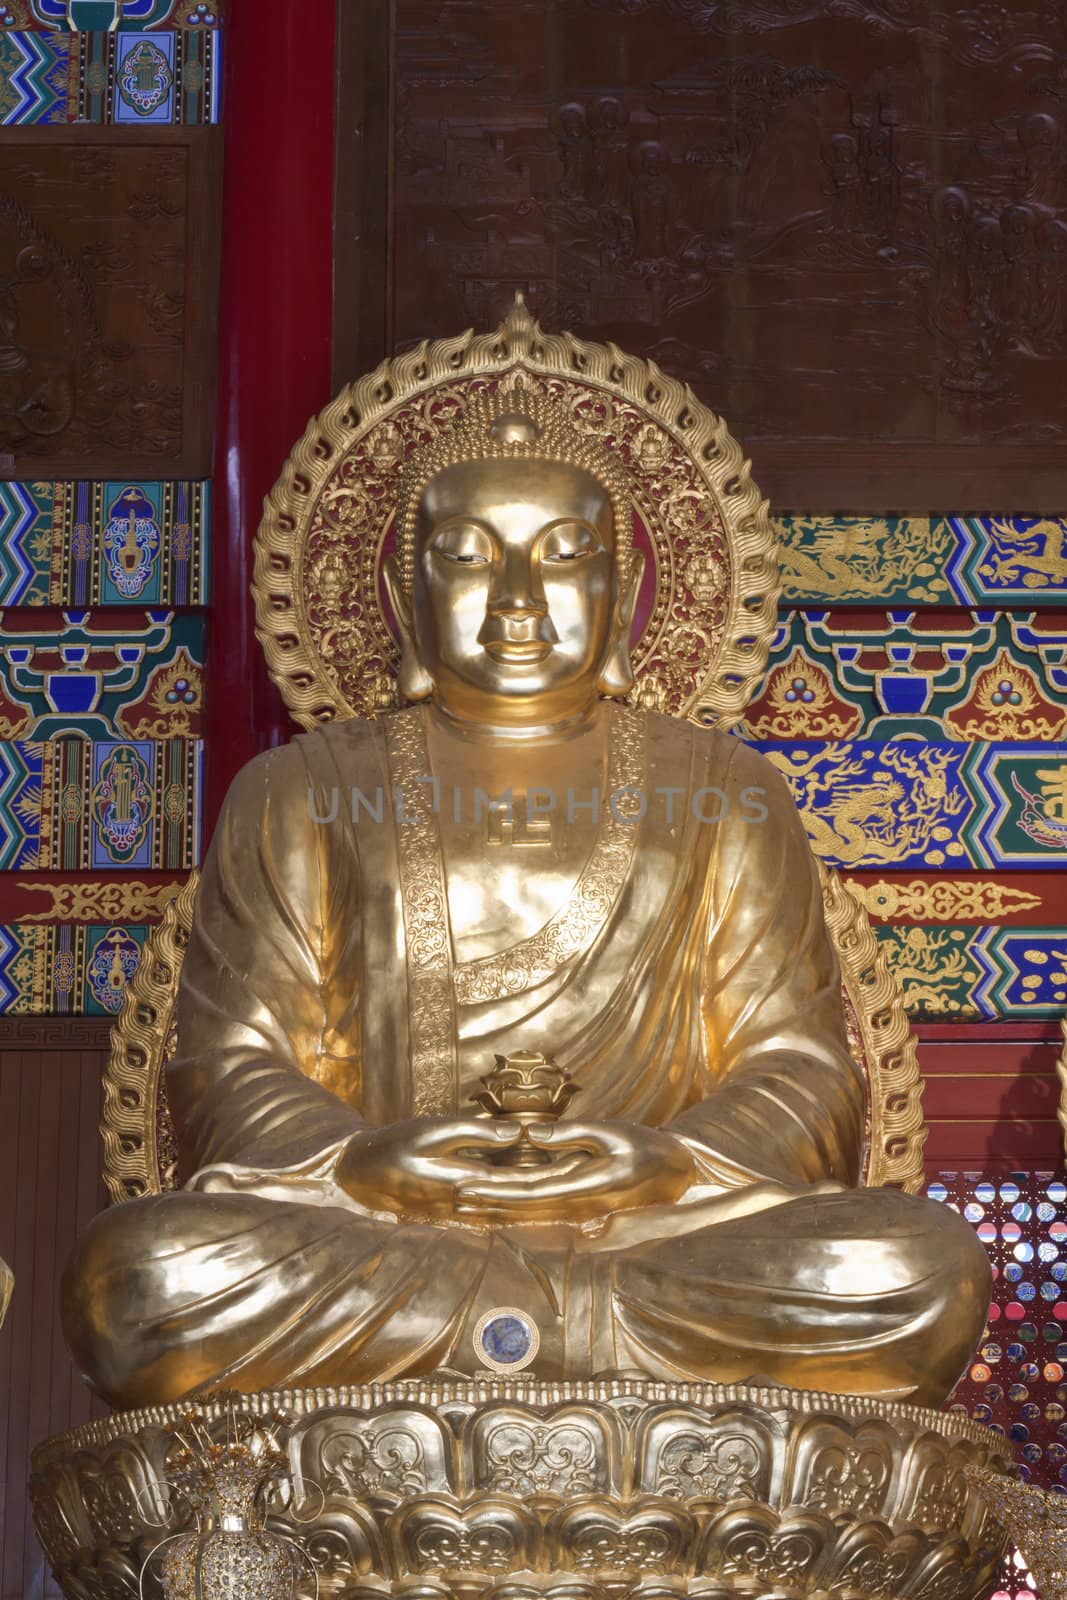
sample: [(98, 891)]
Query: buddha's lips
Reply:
[(518, 652)]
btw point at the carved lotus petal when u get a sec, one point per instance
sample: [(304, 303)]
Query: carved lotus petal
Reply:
[(418, 1589), (598, 1535), (343, 1542), (121, 1494), (756, 1543), (686, 1454), (525, 1589), (436, 1534), (844, 1470), (384, 1459), (870, 1559), (116, 1573), (59, 1514), (935, 1493), (513, 1450), (954, 1572)]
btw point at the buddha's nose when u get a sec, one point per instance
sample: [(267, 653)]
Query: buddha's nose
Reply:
[(516, 590), (516, 613)]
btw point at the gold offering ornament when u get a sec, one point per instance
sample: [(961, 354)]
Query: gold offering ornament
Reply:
[(706, 615), (221, 1467), (528, 1088), (1036, 1523)]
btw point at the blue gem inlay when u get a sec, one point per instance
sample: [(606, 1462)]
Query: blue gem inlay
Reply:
[(506, 1339)]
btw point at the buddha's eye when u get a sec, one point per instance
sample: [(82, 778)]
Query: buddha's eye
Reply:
[(464, 543), (569, 541)]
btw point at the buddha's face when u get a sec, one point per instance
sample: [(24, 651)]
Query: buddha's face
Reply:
[(515, 607)]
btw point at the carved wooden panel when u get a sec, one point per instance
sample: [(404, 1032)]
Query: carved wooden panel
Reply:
[(843, 221), (107, 290)]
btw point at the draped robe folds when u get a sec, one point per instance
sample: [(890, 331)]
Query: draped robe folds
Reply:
[(703, 998)]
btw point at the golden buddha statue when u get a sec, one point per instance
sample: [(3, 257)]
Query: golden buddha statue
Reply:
[(514, 860)]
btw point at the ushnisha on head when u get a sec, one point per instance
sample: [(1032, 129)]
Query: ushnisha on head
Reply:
[(508, 424), (515, 581)]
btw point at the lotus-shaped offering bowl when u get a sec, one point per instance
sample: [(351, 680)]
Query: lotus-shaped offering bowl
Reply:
[(529, 1088), (512, 1487)]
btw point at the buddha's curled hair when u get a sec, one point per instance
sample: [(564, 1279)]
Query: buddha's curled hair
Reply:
[(509, 422)]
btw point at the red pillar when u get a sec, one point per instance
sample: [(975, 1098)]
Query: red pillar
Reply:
[(275, 326)]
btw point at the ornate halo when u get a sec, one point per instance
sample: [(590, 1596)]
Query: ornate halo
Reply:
[(881, 1039), (707, 611)]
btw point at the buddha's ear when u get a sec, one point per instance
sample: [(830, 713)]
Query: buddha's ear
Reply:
[(413, 681), (617, 673)]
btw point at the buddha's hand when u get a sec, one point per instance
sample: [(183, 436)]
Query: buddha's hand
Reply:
[(597, 1168), (416, 1168)]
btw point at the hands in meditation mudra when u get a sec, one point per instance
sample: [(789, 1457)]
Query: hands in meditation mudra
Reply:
[(518, 860)]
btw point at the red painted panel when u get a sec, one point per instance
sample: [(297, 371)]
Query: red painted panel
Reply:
[(998, 1033), (990, 1098), (1005, 1146), (53, 896), (992, 1094), (961, 1059)]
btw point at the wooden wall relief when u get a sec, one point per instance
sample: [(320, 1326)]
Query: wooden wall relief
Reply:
[(843, 221), (107, 293)]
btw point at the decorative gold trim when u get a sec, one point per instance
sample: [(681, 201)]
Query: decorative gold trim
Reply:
[(711, 626), (427, 934), (132, 1127), (883, 1041), (452, 1395), (587, 908), (942, 899), (128, 900)]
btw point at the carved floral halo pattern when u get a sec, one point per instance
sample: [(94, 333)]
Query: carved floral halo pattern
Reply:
[(706, 618)]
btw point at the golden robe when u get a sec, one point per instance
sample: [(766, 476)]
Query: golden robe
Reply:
[(689, 983)]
